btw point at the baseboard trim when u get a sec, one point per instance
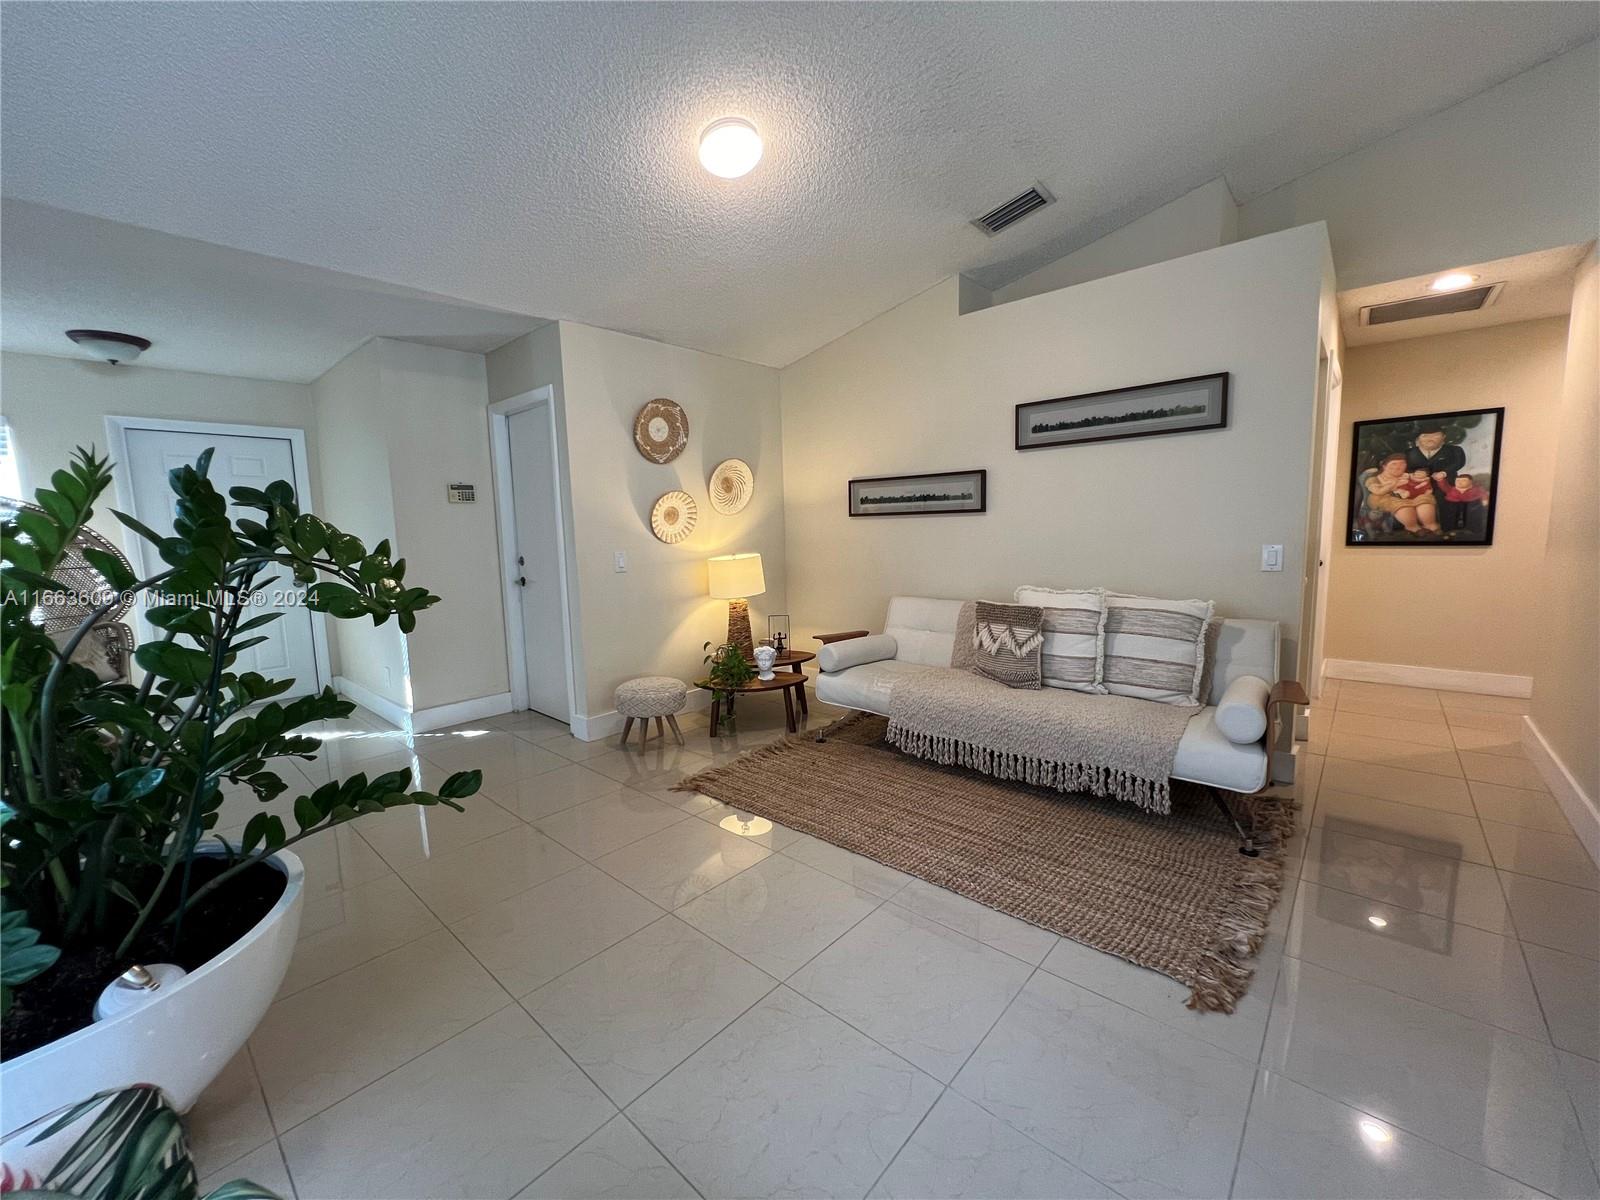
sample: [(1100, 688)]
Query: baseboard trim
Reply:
[(423, 719), (442, 715), (591, 728), (396, 714), (1485, 683), (1580, 807)]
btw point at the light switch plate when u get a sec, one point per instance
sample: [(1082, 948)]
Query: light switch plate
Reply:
[(1271, 558), (619, 562)]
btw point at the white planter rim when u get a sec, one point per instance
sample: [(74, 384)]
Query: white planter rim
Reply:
[(293, 871)]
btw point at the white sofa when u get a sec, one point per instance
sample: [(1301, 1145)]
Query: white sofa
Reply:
[(859, 671)]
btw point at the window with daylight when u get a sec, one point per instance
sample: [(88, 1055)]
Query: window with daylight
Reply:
[(10, 476)]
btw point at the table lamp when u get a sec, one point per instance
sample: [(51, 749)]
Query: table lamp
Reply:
[(735, 578)]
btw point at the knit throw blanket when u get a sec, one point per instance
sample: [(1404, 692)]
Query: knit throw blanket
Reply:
[(1074, 742)]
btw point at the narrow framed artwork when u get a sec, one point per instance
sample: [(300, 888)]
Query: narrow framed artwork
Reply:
[(937, 493), (1427, 480), (1173, 406)]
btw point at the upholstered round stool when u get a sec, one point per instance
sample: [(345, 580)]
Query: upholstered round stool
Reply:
[(658, 696)]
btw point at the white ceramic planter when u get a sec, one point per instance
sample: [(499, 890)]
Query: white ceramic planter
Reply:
[(181, 1040)]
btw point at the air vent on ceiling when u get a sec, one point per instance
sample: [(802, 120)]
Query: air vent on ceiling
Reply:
[(1438, 305), (1013, 210)]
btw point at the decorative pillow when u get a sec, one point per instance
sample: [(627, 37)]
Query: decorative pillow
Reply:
[(1156, 649), (961, 652), (1006, 643), (1074, 636)]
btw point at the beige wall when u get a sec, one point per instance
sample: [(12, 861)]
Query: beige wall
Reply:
[(922, 388), (355, 495), (1504, 172), (1202, 219), (400, 422), (1464, 608), (654, 618), (57, 404), (432, 406), (1566, 652)]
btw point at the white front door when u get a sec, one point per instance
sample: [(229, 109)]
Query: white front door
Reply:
[(239, 461), (538, 563)]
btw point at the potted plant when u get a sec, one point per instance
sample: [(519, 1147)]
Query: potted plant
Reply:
[(109, 789), (726, 669)]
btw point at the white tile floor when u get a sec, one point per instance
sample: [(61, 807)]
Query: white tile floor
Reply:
[(588, 986)]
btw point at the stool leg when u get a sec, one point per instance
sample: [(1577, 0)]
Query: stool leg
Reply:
[(627, 728), (676, 732), (644, 732), (661, 733)]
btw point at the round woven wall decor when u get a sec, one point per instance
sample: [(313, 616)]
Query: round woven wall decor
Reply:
[(674, 516), (732, 485), (661, 431)]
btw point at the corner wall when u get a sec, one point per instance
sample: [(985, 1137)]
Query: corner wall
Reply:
[(923, 388), (1425, 606), (1565, 717)]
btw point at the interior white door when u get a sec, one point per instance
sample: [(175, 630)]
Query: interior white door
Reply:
[(538, 564), (239, 461)]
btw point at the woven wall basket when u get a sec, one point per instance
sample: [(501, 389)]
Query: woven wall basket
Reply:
[(732, 485), (674, 516), (661, 430)]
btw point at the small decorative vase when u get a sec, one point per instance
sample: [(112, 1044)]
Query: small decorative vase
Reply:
[(765, 657)]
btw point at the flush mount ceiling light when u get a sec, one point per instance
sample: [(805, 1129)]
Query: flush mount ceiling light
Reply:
[(1452, 281), (113, 347), (730, 147)]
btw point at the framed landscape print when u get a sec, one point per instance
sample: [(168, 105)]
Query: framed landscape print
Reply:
[(919, 495), (1176, 406), (1428, 480)]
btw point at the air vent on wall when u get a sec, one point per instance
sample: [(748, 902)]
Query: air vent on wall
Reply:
[(1438, 305), (1013, 210)]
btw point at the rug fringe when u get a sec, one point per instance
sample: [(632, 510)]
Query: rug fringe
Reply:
[(1152, 795)]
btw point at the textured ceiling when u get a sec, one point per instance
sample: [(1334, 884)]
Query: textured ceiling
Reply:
[(206, 307), (540, 157), (1536, 285)]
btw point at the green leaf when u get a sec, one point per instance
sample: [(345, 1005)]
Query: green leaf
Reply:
[(139, 527), (117, 572), (171, 661), (460, 784)]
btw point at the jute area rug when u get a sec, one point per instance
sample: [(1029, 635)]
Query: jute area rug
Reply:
[(1171, 893)]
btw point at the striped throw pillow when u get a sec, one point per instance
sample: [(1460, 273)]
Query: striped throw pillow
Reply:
[(1074, 634), (1156, 649), (1006, 640)]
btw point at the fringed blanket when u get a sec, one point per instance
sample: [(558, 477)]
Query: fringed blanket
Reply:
[(1104, 745)]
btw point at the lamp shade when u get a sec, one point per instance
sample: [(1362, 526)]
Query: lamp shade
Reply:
[(735, 576)]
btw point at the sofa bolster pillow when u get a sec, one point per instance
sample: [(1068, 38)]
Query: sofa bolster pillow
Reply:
[(1242, 711), (841, 656)]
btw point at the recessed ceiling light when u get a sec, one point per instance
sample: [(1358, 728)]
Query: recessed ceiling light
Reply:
[(1452, 281), (111, 346), (1377, 922), (1375, 1132), (730, 147)]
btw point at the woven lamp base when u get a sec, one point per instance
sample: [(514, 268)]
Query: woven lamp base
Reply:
[(739, 627)]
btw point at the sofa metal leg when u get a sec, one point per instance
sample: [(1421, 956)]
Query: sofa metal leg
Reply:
[(1247, 845)]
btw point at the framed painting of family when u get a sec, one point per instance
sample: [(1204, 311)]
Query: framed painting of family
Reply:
[(1428, 480)]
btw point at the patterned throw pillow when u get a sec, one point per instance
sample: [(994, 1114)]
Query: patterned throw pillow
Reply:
[(1006, 643), (1074, 633), (1156, 649)]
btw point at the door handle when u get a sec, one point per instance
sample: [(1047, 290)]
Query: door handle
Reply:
[(522, 581)]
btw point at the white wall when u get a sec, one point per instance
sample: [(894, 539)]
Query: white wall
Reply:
[(1199, 220), (923, 388), (1428, 607), (433, 408), (1507, 171), (1566, 684), (57, 404), (401, 421), (654, 618)]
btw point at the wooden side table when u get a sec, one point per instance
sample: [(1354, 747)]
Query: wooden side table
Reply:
[(787, 682), (794, 660)]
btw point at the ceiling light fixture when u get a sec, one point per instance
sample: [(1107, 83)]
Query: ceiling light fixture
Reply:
[(1452, 281), (113, 347), (1375, 1132), (1377, 922), (730, 147)]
